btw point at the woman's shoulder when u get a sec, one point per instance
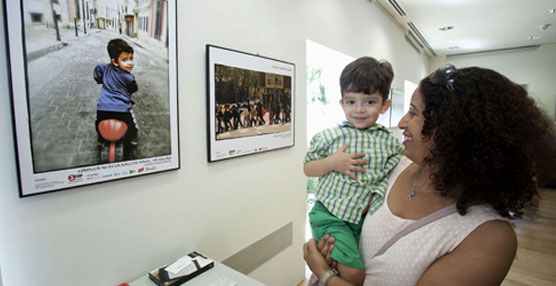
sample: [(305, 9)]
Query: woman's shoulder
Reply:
[(493, 244), (482, 258), (488, 223), (484, 212), (478, 218)]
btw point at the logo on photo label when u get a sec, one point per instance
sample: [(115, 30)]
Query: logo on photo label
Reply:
[(75, 178)]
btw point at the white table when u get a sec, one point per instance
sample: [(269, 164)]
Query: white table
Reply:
[(209, 277)]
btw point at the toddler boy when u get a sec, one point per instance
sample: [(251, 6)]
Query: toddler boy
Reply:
[(353, 161), (117, 86)]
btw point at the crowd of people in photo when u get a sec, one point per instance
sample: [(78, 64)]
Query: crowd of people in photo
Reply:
[(232, 116)]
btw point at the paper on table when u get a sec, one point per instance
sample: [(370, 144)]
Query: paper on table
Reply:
[(203, 261), (183, 266), (223, 282)]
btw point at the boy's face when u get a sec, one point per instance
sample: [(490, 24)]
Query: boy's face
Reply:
[(125, 61), (362, 110)]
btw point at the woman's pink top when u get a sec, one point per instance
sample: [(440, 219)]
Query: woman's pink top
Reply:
[(406, 260)]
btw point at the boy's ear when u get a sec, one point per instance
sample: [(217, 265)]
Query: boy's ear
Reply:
[(387, 103), (114, 62), (341, 101)]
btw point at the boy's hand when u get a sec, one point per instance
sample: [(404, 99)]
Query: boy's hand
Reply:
[(346, 163)]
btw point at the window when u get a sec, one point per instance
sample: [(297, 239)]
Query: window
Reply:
[(36, 17), (144, 24), (324, 66)]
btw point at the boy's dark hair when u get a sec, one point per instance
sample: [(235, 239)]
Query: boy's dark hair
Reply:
[(116, 47), (367, 75)]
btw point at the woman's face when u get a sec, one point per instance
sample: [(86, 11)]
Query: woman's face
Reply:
[(416, 146)]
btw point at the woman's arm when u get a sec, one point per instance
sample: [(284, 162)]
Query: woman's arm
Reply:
[(317, 256), (483, 258)]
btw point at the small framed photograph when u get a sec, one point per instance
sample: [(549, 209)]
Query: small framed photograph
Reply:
[(94, 90), (250, 103)]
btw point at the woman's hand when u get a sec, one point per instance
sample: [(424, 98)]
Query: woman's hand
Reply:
[(325, 246), (317, 256), (314, 258)]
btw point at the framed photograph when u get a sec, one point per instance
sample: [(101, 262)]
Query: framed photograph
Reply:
[(250, 103), (94, 90)]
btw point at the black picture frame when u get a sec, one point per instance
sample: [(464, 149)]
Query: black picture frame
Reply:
[(53, 49), (261, 90)]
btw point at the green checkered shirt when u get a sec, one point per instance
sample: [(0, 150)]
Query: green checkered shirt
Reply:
[(341, 195)]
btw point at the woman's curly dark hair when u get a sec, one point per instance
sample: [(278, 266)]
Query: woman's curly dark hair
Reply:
[(492, 144)]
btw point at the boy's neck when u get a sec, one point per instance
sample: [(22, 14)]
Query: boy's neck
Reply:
[(118, 67), (364, 128)]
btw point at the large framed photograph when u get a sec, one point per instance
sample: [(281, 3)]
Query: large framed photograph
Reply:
[(250, 103), (94, 90)]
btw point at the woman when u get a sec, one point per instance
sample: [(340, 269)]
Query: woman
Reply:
[(476, 141)]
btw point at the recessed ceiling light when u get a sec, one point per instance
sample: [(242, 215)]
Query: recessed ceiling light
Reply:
[(544, 27), (551, 11), (534, 38), (446, 28)]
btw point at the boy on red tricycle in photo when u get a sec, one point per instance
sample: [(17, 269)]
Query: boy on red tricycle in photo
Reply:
[(118, 84)]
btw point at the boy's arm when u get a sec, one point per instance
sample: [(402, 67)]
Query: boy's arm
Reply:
[(132, 86), (397, 153), (392, 161), (340, 162), (98, 74)]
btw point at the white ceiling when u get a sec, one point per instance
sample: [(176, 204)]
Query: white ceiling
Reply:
[(478, 25)]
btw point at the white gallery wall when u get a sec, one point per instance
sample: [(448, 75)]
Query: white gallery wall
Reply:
[(534, 67), (115, 232)]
